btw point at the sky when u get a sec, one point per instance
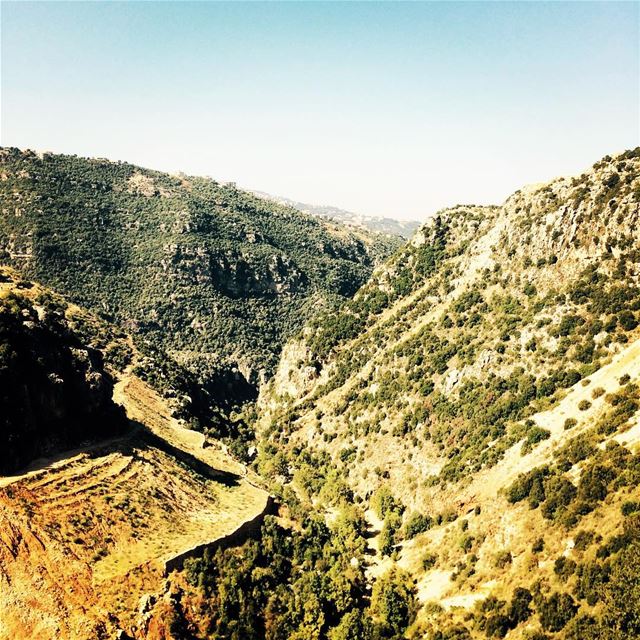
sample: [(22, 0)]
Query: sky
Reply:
[(395, 109)]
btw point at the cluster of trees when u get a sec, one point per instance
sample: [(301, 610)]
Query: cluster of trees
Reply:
[(559, 498), (414, 264), (302, 585)]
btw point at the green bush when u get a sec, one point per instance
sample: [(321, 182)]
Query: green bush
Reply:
[(393, 603), (415, 524), (502, 559), (556, 611)]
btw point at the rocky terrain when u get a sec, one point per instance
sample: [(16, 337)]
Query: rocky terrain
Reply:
[(453, 446), (102, 488), (55, 391)]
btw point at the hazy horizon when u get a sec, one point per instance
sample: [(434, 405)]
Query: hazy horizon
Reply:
[(386, 109)]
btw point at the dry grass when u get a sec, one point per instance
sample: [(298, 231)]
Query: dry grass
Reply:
[(89, 533)]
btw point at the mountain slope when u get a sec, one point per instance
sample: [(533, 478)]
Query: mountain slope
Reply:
[(499, 342), (455, 450), (96, 508), (54, 390), (212, 275)]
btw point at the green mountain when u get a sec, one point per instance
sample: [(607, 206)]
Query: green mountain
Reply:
[(213, 276), (480, 397), (451, 436)]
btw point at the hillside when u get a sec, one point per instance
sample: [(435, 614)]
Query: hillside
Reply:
[(377, 224), (213, 276), (454, 450), (55, 392), (106, 490), (491, 363)]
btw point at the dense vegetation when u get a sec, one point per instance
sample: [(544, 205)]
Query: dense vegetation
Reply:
[(303, 585), (212, 276)]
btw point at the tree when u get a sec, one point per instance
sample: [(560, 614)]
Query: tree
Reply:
[(393, 603), (352, 627), (383, 502), (622, 593), (388, 534), (556, 611)]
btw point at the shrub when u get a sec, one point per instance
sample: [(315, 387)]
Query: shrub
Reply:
[(538, 545), (393, 603), (594, 482), (622, 594), (502, 559), (497, 625), (583, 405), (529, 485), (564, 567), (629, 507), (583, 539), (519, 610), (536, 434), (429, 560), (575, 450), (388, 534), (559, 492), (383, 503), (556, 611), (627, 320), (416, 523)]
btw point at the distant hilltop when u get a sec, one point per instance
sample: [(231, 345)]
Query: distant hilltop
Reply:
[(379, 224)]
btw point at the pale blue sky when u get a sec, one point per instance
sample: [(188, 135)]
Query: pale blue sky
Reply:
[(382, 108)]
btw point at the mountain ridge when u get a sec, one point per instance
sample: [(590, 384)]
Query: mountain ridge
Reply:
[(379, 224), (454, 447)]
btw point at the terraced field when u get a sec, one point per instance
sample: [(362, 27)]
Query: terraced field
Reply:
[(91, 531)]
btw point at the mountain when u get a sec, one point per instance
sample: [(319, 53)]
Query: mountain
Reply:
[(55, 392), (479, 398), (377, 224), (101, 489), (213, 276), (449, 450)]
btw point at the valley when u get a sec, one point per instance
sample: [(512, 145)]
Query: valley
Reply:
[(228, 419)]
